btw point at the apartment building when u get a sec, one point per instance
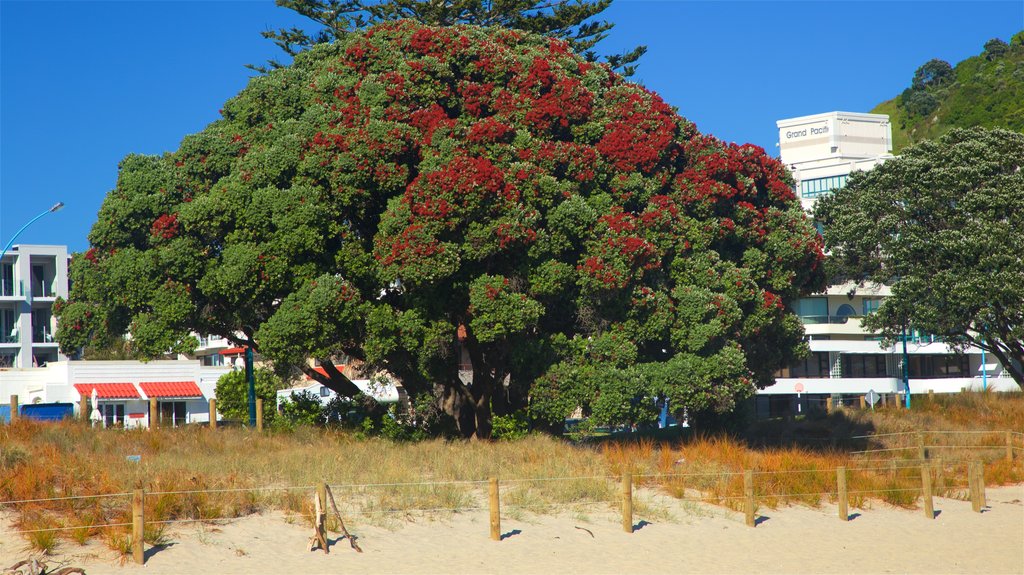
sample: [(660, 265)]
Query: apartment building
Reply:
[(32, 277), (847, 361)]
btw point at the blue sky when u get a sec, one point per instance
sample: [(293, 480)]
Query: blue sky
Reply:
[(82, 84)]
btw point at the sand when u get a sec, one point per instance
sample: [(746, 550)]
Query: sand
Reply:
[(681, 538)]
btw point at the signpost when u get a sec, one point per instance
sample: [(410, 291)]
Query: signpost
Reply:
[(872, 398), (799, 387)]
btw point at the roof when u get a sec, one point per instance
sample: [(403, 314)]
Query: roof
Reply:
[(171, 389), (108, 390), (232, 351)]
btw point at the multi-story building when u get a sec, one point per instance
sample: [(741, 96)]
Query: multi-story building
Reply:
[(32, 277), (847, 361)]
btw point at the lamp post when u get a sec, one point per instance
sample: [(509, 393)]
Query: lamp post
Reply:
[(52, 209), (252, 386)]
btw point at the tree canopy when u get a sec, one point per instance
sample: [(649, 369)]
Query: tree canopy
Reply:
[(943, 222), (569, 20), (411, 192)]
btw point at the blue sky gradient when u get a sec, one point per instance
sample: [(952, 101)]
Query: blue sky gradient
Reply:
[(82, 84)]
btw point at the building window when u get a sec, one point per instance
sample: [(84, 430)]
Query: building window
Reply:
[(8, 326), (41, 330), (870, 305), (864, 365), (213, 360), (815, 365), (113, 414), (939, 366), (812, 309), (172, 413), (324, 391), (820, 186), (7, 280)]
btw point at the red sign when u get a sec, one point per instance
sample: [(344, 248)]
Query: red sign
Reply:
[(799, 388)]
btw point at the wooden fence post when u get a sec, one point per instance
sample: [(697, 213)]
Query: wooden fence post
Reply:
[(926, 489), (495, 504), (863, 403), (972, 486), (981, 483), (627, 502), (259, 414), (844, 502), (921, 453), (829, 405), (1009, 447), (931, 395), (83, 408), (940, 480), (154, 414), (748, 503), (138, 527), (14, 408), (213, 413)]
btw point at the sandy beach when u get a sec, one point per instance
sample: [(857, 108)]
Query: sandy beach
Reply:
[(685, 538)]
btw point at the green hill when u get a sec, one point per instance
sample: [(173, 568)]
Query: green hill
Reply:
[(986, 90)]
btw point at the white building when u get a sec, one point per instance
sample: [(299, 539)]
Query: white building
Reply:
[(847, 361), (32, 277), (183, 389)]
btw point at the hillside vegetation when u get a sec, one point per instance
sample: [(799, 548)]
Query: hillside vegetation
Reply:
[(986, 90)]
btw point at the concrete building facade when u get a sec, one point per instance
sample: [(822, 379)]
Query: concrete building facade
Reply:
[(847, 361), (32, 277)]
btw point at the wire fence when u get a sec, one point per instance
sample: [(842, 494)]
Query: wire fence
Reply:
[(714, 487)]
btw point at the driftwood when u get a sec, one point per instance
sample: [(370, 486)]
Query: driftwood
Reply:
[(351, 538), (37, 567), (319, 538)]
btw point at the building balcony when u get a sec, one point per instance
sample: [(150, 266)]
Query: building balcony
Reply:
[(43, 336), (833, 325), (12, 291)]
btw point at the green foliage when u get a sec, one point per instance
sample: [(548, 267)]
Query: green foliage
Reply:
[(986, 90), (302, 408), (233, 394), (511, 427), (568, 20), (412, 197), (943, 221)]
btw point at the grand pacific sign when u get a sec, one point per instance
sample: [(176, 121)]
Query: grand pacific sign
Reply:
[(808, 131)]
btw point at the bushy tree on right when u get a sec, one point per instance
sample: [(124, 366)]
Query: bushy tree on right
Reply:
[(942, 223)]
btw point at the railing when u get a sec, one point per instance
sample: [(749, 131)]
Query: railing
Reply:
[(42, 336), (827, 319), (12, 289), (10, 336)]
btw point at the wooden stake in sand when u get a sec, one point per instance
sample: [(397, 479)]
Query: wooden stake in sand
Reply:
[(319, 538), (138, 527), (341, 522), (748, 502), (627, 502), (926, 491), (843, 498), (494, 503), (14, 408)]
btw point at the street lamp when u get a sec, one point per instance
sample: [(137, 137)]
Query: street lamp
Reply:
[(52, 209)]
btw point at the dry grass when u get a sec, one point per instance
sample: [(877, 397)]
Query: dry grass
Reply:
[(382, 482)]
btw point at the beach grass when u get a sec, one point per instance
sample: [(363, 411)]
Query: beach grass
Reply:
[(194, 473)]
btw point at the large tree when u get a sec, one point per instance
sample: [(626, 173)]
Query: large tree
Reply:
[(409, 192), (569, 20), (943, 223)]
